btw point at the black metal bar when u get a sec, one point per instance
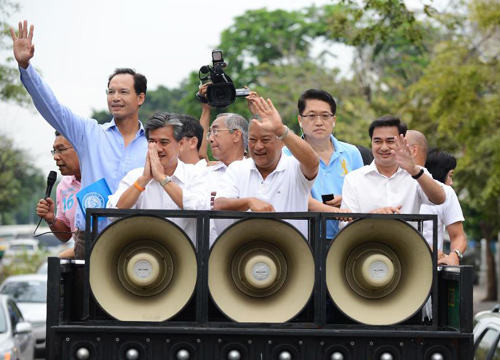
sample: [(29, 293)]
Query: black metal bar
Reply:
[(54, 300)]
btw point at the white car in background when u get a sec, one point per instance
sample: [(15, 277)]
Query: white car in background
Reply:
[(16, 336), (30, 294), (18, 247)]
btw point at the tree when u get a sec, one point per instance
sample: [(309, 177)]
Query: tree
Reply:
[(22, 184), (457, 102), (11, 89)]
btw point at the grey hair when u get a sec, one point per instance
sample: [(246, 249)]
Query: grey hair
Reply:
[(237, 122), (164, 119)]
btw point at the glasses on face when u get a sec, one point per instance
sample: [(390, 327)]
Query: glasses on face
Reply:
[(215, 131), (111, 92), (59, 151), (323, 117)]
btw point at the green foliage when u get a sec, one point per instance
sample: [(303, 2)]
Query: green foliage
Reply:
[(11, 89), (23, 264), (22, 184), (377, 20), (276, 37), (457, 104), (102, 116)]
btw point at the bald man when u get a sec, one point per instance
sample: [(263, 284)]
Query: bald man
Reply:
[(449, 213)]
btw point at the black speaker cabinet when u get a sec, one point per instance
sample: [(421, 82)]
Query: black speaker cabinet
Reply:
[(262, 291)]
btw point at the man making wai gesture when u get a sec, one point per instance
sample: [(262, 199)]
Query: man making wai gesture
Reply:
[(268, 180), (165, 182)]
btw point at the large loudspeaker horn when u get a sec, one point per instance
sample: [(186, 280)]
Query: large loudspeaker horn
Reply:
[(261, 270), (143, 268), (379, 271)]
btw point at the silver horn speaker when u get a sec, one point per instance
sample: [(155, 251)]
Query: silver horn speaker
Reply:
[(143, 268), (379, 271), (261, 270)]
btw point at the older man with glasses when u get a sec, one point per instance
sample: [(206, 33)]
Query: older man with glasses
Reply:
[(228, 139), (63, 224)]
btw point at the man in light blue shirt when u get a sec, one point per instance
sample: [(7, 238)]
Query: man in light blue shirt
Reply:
[(106, 151), (317, 119)]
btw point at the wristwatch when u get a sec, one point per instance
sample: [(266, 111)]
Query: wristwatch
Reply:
[(459, 254), (420, 173), (166, 181)]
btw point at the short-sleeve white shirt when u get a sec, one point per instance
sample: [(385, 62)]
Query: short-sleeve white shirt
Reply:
[(448, 213), (201, 165), (155, 196), (366, 189), (212, 176), (286, 188)]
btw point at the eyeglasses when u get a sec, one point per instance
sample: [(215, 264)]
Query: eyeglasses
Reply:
[(323, 117), (215, 131), (59, 151), (111, 92)]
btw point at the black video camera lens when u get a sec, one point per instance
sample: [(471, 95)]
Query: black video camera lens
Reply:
[(221, 95)]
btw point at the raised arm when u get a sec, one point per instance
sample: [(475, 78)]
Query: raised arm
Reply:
[(301, 150), (56, 114), (205, 123), (405, 160)]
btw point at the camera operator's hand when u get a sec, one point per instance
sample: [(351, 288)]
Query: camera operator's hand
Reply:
[(202, 96), (270, 119), (252, 96)]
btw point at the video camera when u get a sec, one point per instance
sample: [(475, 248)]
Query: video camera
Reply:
[(221, 91)]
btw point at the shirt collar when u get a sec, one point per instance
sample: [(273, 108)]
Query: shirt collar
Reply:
[(74, 180), (180, 171), (112, 124), (336, 144), (219, 165), (373, 168), (282, 164)]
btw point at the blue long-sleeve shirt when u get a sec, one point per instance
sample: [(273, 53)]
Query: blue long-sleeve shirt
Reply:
[(101, 148)]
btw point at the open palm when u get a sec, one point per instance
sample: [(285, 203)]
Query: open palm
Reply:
[(24, 49)]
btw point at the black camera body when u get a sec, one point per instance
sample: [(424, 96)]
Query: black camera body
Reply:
[(221, 92)]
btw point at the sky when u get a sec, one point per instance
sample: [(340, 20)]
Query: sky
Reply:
[(79, 43)]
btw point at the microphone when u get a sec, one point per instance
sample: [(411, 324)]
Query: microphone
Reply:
[(51, 179)]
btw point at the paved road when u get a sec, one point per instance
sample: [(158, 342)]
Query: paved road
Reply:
[(479, 304)]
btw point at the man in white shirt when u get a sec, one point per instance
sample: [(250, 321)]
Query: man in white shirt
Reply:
[(270, 181), (190, 146), (165, 182), (228, 138), (392, 183)]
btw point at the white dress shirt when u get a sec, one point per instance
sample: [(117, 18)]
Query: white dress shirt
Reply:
[(448, 213), (366, 189), (286, 188), (155, 196)]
